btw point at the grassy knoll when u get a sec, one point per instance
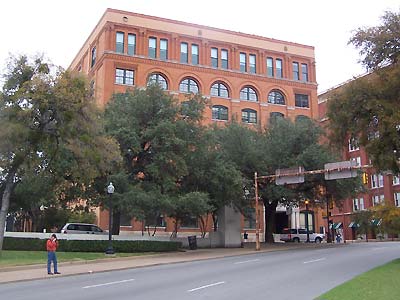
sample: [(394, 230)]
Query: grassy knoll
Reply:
[(380, 283)]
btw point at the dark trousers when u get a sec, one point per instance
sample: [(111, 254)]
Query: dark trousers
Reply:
[(51, 257)]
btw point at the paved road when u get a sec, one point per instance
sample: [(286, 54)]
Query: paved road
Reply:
[(295, 274)]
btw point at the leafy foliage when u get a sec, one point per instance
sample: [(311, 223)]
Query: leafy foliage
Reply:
[(52, 129), (368, 108)]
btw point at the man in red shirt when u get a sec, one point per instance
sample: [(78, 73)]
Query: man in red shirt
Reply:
[(51, 247)]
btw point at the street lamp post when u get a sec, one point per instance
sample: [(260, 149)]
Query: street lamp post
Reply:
[(307, 229), (110, 191), (258, 247)]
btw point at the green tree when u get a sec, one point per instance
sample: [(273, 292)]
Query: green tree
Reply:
[(157, 137), (363, 219), (49, 123), (368, 108), (389, 216), (283, 144)]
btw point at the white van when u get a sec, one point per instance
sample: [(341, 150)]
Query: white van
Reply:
[(82, 228)]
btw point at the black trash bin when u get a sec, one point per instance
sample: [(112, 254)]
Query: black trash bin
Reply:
[(192, 242)]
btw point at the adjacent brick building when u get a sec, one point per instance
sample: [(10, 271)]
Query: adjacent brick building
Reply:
[(380, 186), (246, 77)]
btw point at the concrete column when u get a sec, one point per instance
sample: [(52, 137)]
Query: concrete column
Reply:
[(229, 227)]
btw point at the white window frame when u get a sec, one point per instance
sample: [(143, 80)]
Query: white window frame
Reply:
[(377, 199), (396, 197), (376, 181), (353, 145), (357, 160), (396, 179)]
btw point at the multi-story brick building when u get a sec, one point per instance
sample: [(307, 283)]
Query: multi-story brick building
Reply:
[(380, 186), (246, 77)]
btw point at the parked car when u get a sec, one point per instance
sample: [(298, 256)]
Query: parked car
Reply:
[(300, 235), (82, 228)]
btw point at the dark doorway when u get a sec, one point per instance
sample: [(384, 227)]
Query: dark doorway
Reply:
[(281, 221)]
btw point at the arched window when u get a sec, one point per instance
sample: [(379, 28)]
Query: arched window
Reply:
[(218, 89), (189, 85), (248, 93), (276, 97), (301, 118), (249, 116), (275, 116), (157, 78), (219, 112)]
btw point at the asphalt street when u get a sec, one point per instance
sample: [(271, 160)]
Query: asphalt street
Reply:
[(294, 274)]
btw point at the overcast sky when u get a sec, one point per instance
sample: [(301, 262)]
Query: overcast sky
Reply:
[(59, 28)]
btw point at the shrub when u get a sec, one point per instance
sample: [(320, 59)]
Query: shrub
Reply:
[(33, 244)]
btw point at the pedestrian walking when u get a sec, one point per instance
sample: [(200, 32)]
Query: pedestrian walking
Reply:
[(51, 247)]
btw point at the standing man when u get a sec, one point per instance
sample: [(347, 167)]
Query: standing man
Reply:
[(51, 247)]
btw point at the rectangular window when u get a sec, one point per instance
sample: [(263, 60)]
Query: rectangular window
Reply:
[(119, 42), (224, 59), (279, 72), (301, 100), (357, 160), (93, 57), (184, 53), (296, 75), (243, 62), (376, 180), (195, 54), (152, 47), (123, 76), (358, 204), (396, 179), (353, 144), (131, 44), (270, 67), (163, 49), (397, 199), (377, 199), (252, 63), (214, 57), (361, 202), (304, 72)]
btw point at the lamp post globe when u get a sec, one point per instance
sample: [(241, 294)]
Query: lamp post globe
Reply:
[(110, 191)]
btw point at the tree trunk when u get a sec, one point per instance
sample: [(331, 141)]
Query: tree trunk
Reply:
[(215, 221), (270, 210), (5, 203)]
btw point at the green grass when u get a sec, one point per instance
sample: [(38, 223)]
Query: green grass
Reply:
[(380, 283), (17, 258)]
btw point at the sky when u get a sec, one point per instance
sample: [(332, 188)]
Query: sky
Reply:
[(58, 28)]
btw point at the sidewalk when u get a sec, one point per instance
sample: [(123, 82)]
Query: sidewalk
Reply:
[(23, 273)]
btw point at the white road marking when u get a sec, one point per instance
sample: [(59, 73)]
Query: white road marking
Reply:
[(246, 261), (108, 283), (206, 286), (315, 260), (378, 248)]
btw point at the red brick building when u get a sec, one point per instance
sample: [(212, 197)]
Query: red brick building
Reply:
[(380, 186), (246, 77)]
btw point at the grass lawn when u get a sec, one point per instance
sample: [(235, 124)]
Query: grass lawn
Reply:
[(380, 283), (16, 258)]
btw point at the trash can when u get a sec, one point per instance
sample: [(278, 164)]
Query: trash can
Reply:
[(192, 242)]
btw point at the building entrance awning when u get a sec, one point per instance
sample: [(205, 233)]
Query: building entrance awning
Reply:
[(336, 225), (354, 225), (376, 222)]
